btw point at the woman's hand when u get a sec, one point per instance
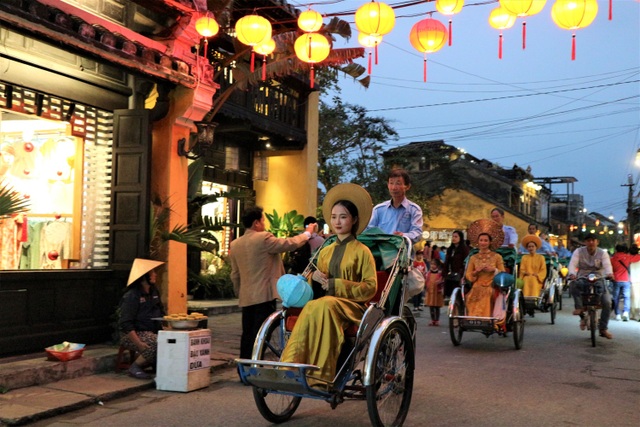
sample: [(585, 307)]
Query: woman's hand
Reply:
[(321, 278)]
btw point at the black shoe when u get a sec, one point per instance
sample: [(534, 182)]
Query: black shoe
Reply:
[(137, 372)]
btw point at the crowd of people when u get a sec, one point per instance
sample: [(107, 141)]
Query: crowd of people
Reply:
[(343, 274)]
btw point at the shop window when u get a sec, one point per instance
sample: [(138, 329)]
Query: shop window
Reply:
[(231, 158), (260, 168), (63, 168)]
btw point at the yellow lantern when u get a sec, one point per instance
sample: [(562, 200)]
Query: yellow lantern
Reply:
[(264, 49), (522, 9), (375, 18), (312, 48), (206, 26), (309, 21), (253, 30), (501, 19), (448, 8), (370, 41), (572, 15), (428, 36)]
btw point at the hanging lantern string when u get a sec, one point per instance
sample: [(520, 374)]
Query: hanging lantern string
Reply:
[(610, 10), (369, 63), (573, 47), (450, 32), (264, 67), (376, 52), (500, 46), (524, 35), (424, 68), (312, 76)]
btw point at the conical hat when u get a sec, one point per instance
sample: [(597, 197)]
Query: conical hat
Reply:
[(488, 226), (140, 267), (356, 195)]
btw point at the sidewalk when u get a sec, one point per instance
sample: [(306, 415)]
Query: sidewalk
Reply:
[(34, 388)]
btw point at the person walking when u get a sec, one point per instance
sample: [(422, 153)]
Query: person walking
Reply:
[(434, 285), (453, 270), (634, 277), (420, 265), (399, 215), (256, 265)]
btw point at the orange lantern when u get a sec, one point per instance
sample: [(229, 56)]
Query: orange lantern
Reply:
[(522, 9), (253, 30), (310, 21), (367, 40), (572, 15), (264, 49), (501, 19), (448, 8), (428, 36), (375, 19), (206, 26), (312, 48)]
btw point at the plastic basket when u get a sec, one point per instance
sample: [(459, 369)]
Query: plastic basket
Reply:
[(59, 352)]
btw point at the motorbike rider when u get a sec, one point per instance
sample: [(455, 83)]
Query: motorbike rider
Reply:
[(584, 261)]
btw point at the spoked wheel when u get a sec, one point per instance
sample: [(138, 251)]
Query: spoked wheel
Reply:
[(592, 326), (559, 296), (389, 397), (276, 408), (455, 330), (552, 306), (518, 322)]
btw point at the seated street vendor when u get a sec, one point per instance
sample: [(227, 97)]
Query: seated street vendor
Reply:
[(346, 270), (140, 304)]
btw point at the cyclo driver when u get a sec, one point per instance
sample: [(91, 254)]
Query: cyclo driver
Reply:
[(584, 261)]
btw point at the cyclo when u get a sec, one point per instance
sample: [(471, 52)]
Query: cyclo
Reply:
[(377, 360), (550, 295), (591, 290), (507, 292)]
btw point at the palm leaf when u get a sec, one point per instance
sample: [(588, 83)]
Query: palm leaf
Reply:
[(11, 202)]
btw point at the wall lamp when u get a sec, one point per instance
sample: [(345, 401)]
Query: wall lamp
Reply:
[(199, 141)]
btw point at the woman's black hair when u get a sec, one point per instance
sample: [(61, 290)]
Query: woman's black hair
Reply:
[(353, 211), (460, 234)]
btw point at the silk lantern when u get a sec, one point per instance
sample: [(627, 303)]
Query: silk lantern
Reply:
[(573, 15), (312, 48), (501, 19), (253, 30), (449, 8), (265, 48), (367, 40), (522, 9), (428, 36), (207, 27), (310, 21), (375, 19)]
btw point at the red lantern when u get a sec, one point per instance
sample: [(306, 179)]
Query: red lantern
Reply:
[(428, 36), (312, 48), (449, 8), (572, 15), (522, 9), (501, 19)]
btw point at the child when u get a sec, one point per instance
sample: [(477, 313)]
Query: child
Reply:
[(421, 265), (434, 284)]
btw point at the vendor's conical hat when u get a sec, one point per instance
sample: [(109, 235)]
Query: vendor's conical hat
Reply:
[(488, 226), (356, 195), (140, 267)]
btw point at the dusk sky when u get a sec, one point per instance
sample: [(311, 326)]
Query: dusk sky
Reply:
[(535, 107)]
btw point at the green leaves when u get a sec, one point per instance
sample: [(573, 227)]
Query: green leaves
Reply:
[(11, 202), (290, 224)]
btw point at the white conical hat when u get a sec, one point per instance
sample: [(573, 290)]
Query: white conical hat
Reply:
[(140, 267)]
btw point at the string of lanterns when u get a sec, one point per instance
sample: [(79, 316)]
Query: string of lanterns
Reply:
[(376, 19)]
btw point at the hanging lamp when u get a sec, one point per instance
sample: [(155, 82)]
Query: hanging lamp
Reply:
[(207, 27), (375, 19), (501, 19), (522, 9), (449, 8), (428, 36), (253, 30), (372, 42), (310, 21), (312, 48), (573, 15), (265, 48)]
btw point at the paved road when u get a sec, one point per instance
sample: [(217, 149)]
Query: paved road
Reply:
[(556, 379)]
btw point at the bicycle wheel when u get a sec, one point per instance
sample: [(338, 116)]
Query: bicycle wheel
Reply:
[(455, 330), (552, 306), (276, 408), (518, 321), (592, 326), (389, 397)]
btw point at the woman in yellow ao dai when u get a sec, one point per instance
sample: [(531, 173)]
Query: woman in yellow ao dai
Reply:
[(347, 272), (481, 269), (533, 267)]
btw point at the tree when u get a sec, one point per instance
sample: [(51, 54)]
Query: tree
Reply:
[(11, 202), (350, 144)]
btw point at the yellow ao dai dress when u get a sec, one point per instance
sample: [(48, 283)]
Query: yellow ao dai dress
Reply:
[(536, 268)]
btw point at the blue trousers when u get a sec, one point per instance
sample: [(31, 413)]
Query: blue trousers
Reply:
[(580, 285), (621, 289)]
